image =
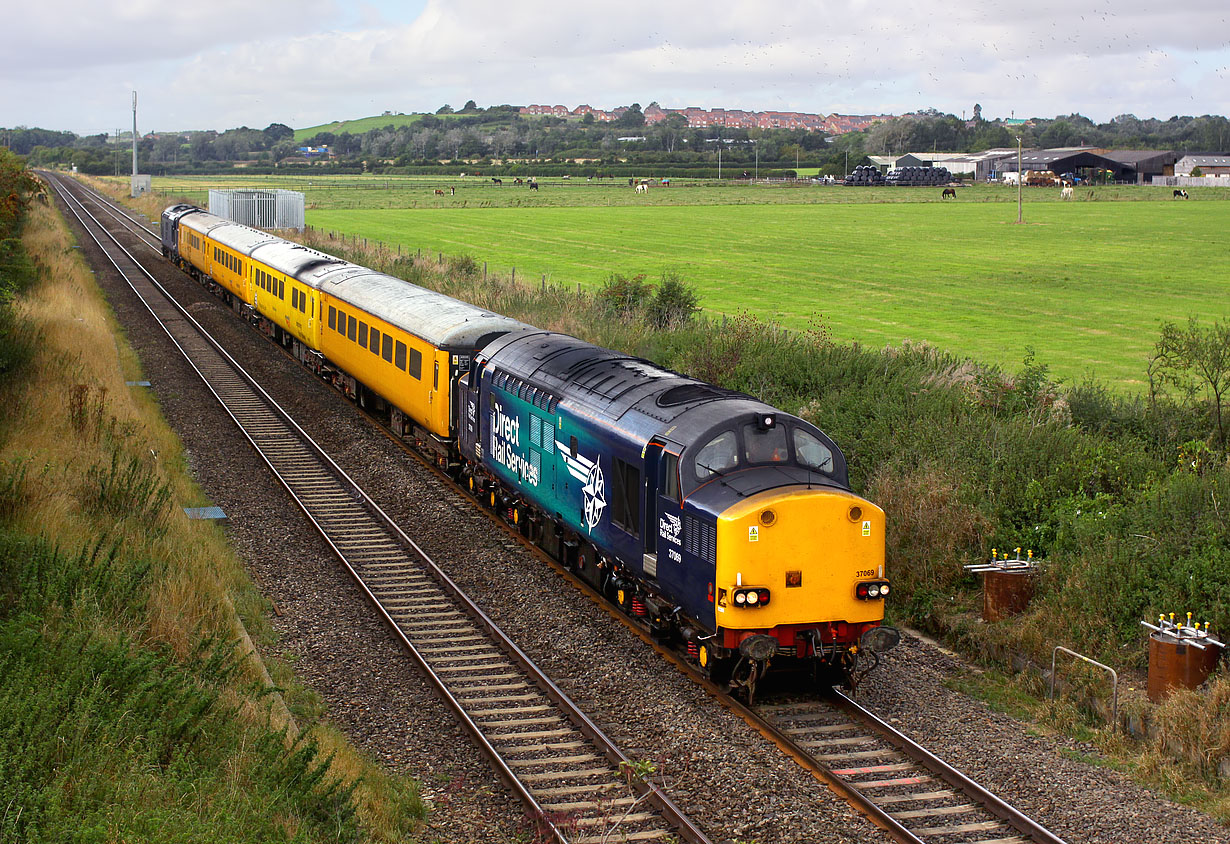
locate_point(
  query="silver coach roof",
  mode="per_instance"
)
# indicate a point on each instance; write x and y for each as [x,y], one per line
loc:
[294,260]
[440,320]
[241,238]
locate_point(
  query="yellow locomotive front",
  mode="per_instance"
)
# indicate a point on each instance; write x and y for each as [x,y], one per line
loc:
[798,559]
[802,567]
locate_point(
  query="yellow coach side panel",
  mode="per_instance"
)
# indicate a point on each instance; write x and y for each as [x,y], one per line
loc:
[228,268]
[394,363]
[809,547]
[192,248]
[287,303]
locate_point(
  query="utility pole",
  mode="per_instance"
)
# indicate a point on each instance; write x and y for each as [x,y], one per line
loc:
[134,139]
[1020,177]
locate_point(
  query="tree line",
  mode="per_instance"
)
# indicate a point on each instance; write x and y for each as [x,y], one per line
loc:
[475,134]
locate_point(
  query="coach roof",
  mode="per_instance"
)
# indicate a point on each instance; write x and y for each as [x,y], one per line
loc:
[441,320]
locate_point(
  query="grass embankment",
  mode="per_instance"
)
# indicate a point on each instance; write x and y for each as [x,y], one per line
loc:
[132,706]
[1122,499]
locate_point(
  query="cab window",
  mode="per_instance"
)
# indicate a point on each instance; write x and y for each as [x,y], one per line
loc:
[765,446]
[720,454]
[811,453]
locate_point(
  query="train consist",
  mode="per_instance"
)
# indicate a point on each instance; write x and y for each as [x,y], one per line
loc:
[726,527]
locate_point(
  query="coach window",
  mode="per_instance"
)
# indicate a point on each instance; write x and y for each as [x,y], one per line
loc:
[416,363]
[282,288]
[352,327]
[386,350]
[400,361]
[333,317]
[435,378]
[719,455]
[374,341]
[626,509]
[812,453]
[363,334]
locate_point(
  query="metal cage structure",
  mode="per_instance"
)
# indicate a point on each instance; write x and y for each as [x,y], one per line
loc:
[261,209]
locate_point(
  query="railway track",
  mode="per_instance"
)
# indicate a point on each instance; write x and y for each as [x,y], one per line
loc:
[913,795]
[917,796]
[576,783]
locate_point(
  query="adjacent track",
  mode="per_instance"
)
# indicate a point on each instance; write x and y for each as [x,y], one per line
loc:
[577,784]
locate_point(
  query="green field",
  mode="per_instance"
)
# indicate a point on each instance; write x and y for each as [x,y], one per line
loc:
[1086,284]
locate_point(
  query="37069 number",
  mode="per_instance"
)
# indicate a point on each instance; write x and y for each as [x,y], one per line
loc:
[865,573]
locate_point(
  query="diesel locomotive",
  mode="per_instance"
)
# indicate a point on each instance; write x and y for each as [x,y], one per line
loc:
[727,528]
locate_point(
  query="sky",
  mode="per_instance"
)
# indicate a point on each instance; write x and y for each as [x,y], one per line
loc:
[73,65]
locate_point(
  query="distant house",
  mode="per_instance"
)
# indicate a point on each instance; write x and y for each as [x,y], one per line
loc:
[1210,165]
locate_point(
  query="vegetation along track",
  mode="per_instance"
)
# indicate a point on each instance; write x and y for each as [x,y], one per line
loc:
[577,784]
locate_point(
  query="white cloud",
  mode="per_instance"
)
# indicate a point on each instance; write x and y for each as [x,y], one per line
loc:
[309,62]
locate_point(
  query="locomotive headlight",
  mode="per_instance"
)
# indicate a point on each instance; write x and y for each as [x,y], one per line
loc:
[874,590]
[884,589]
[740,598]
[752,597]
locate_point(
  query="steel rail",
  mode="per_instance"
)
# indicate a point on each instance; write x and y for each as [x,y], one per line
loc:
[648,790]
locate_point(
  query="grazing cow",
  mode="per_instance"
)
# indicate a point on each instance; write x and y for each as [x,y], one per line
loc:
[1066,193]
[452,191]
[533,185]
[949,192]
[518,181]
[496,181]
[642,188]
[1180,194]
[439,192]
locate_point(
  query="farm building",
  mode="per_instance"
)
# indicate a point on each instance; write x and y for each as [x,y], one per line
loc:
[980,164]
[1127,165]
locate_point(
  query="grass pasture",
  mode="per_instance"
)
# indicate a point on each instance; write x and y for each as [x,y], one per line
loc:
[1086,284]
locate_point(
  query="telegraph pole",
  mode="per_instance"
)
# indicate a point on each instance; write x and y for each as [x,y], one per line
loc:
[134,138]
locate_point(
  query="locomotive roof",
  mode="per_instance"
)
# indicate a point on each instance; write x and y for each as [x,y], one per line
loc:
[615,385]
[644,400]
[441,320]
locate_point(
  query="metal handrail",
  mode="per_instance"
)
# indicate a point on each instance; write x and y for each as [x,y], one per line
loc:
[1114,707]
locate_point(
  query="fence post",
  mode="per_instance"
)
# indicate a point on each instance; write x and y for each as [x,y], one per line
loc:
[484,272]
[514,275]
